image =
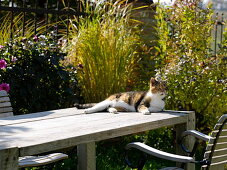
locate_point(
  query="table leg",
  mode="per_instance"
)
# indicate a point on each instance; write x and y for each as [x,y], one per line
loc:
[86,156]
[189,142]
[9,158]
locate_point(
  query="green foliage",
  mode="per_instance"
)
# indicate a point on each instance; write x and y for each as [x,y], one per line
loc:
[104,47]
[196,78]
[38,81]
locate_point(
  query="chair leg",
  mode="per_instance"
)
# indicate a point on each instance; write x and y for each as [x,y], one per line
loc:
[142,161]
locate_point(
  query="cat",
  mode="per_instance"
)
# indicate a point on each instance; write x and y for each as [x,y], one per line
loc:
[134,101]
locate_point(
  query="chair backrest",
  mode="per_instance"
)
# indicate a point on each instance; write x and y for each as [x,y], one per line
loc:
[5,105]
[216,150]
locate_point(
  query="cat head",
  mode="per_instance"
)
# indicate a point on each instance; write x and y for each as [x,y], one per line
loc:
[158,87]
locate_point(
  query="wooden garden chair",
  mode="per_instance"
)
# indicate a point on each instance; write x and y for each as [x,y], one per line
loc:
[215,157]
[27,161]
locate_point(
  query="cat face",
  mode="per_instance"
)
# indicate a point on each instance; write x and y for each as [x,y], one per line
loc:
[158,87]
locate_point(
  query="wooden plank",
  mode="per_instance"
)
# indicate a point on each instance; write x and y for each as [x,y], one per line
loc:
[180,128]
[86,156]
[62,112]
[5,104]
[76,130]
[40,116]
[53,123]
[218,146]
[218,166]
[4,99]
[6,109]
[3,93]
[189,141]
[223,133]
[216,152]
[32,161]
[8,114]
[9,158]
[218,125]
[220,158]
[214,167]
[222,139]
[107,118]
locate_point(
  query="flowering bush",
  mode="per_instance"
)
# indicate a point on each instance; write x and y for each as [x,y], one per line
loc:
[3,69]
[32,73]
[196,78]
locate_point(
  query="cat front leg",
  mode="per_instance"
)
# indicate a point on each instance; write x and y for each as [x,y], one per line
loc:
[143,109]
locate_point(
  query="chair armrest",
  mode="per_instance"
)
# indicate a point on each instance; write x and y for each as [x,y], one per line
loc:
[160,154]
[197,135]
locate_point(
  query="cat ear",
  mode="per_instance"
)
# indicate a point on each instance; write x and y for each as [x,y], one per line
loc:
[153,81]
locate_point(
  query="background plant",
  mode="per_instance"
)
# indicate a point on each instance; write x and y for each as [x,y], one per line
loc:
[38,81]
[104,47]
[196,78]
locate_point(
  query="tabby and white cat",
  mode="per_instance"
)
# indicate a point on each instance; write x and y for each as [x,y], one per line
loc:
[143,102]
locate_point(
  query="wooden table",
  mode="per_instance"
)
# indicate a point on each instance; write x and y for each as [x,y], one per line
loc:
[53,130]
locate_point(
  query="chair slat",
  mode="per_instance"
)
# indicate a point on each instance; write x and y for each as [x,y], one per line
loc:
[219,159]
[5,104]
[223,133]
[4,99]
[215,166]
[6,109]
[3,93]
[29,161]
[218,125]
[218,146]
[222,139]
[216,152]
[2,115]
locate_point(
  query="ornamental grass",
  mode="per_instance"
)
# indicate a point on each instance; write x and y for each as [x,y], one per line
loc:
[104,51]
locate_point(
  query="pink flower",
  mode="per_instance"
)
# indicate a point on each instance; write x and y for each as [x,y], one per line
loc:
[4,86]
[2,64]
[36,38]
[1,46]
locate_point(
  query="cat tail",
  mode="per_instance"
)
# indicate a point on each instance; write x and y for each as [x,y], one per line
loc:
[84,106]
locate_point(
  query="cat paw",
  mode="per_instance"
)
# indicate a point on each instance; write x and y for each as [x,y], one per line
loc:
[145,112]
[112,110]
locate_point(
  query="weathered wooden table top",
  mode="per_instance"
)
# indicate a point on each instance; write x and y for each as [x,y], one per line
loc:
[47,131]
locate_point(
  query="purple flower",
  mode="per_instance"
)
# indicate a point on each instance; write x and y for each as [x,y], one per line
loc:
[1,46]
[2,64]
[14,59]
[4,86]
[35,38]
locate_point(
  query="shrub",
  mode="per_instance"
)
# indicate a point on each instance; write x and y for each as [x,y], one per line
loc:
[104,47]
[37,79]
[196,78]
